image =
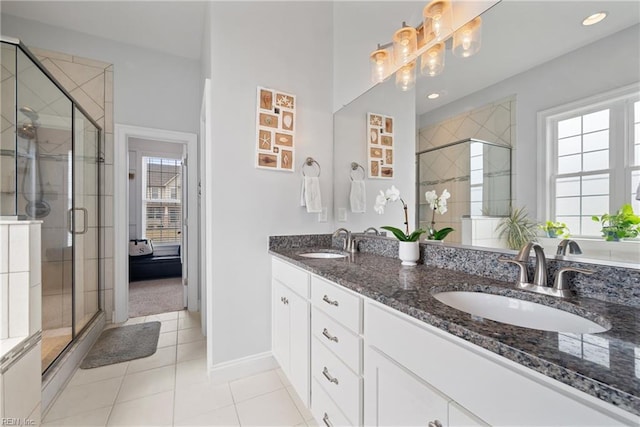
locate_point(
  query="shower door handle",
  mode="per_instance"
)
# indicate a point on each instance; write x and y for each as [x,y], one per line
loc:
[70,218]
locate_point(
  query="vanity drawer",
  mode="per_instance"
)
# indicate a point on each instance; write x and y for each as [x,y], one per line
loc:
[340,340]
[340,383]
[293,277]
[341,305]
[324,410]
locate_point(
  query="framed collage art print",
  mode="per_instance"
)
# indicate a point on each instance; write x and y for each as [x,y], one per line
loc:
[380,145]
[275,130]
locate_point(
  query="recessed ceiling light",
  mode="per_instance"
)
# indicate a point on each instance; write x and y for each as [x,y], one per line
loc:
[594,19]
[433,95]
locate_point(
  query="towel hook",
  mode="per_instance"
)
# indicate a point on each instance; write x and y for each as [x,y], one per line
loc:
[354,167]
[309,162]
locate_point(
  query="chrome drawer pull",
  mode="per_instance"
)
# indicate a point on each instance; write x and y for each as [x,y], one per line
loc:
[329,336]
[435,423]
[328,301]
[328,376]
[326,420]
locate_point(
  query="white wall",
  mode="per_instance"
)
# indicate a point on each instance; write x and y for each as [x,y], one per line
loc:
[605,65]
[281,45]
[151,89]
[350,145]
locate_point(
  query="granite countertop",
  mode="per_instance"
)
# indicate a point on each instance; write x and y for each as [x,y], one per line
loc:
[605,365]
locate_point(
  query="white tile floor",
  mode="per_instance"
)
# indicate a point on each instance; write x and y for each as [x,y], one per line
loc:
[171,388]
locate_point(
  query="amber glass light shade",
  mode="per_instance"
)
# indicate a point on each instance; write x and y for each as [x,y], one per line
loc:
[432,61]
[380,65]
[405,44]
[438,20]
[467,40]
[406,77]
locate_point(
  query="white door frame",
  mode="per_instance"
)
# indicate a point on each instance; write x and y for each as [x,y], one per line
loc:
[121,213]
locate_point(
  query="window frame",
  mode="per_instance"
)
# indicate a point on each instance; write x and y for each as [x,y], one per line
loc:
[144,200]
[621,127]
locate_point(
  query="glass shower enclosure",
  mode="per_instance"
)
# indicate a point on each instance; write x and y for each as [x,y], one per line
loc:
[478,175]
[49,164]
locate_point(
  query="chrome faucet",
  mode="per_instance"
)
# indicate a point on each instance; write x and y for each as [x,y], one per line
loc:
[349,243]
[539,284]
[375,231]
[574,248]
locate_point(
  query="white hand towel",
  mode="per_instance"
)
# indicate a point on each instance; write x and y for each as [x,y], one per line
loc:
[358,196]
[310,194]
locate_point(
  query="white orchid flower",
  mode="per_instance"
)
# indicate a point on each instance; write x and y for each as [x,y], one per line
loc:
[381,201]
[393,193]
[445,195]
[442,209]
[431,197]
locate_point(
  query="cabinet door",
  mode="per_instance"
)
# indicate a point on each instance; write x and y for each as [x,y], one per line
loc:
[280,329]
[396,397]
[299,332]
[460,417]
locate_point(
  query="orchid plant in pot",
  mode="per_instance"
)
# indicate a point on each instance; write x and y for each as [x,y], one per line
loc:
[409,250]
[437,204]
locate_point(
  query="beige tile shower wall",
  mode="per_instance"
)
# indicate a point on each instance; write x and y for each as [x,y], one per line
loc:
[494,122]
[90,82]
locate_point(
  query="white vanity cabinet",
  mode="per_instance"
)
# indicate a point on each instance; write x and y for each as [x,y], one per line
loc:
[458,383]
[336,354]
[396,396]
[291,324]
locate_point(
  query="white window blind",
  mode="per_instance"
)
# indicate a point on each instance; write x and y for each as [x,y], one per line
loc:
[161,205]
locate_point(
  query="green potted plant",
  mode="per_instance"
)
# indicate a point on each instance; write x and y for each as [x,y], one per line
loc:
[517,229]
[623,224]
[555,229]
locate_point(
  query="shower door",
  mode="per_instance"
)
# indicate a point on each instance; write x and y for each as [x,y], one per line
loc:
[84,224]
[56,181]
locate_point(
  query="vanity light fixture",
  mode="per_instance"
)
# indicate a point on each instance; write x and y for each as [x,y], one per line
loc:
[438,20]
[405,44]
[432,61]
[467,40]
[428,41]
[406,76]
[594,19]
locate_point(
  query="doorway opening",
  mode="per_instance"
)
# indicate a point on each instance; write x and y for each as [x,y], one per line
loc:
[152,224]
[155,227]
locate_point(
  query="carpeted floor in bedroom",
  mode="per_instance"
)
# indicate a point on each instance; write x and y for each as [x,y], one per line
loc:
[155,296]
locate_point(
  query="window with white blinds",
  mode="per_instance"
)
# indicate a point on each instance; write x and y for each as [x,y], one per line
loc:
[162,199]
[595,155]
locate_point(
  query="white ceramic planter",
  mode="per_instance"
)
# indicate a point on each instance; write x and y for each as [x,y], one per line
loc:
[409,252]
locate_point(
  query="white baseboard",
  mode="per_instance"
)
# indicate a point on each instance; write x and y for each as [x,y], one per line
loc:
[243,367]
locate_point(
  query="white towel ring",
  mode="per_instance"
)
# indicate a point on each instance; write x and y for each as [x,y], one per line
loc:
[310,162]
[354,167]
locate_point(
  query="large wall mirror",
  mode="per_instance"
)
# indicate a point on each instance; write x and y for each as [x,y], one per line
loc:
[536,60]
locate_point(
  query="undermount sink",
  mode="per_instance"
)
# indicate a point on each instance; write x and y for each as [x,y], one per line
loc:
[518,312]
[323,255]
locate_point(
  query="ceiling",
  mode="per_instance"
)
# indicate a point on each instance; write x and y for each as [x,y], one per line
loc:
[173,27]
[518,35]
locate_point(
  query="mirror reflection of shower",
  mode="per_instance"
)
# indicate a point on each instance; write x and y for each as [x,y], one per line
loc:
[32,186]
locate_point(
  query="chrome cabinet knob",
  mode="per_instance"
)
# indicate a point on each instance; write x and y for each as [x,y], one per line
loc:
[435,423]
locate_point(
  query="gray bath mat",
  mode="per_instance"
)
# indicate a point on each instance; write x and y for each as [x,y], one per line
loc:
[124,343]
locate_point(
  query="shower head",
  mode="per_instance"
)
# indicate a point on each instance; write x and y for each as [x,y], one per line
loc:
[30,112]
[27,131]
